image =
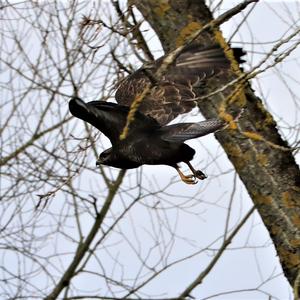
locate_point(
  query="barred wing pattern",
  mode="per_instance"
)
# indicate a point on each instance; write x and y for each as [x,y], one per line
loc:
[174,94]
[186,131]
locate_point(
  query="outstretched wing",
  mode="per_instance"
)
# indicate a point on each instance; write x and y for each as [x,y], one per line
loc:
[175,93]
[186,131]
[109,118]
[164,102]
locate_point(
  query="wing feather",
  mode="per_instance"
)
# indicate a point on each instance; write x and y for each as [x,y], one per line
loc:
[109,118]
[186,131]
[175,93]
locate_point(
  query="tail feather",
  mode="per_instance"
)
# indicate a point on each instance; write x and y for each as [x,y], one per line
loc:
[238,54]
[209,57]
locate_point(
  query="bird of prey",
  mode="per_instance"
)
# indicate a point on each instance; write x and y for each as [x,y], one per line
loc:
[150,139]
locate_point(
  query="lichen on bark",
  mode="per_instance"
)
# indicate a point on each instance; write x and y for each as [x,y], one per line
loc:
[261,157]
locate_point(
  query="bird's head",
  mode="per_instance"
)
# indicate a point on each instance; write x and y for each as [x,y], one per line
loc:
[105,157]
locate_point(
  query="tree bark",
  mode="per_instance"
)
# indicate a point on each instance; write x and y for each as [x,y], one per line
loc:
[261,157]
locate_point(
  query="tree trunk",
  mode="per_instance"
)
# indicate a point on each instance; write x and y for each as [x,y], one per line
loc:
[261,157]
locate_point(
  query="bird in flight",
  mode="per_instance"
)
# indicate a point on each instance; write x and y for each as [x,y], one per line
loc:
[150,139]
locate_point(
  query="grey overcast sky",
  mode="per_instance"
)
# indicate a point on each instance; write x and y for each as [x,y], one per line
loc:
[184,219]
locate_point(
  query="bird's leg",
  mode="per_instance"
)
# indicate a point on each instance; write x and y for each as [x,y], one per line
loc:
[197,173]
[188,179]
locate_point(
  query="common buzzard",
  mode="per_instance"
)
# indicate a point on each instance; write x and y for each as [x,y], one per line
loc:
[150,140]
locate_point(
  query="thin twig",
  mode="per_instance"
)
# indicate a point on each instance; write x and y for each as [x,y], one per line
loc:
[171,57]
[85,245]
[199,279]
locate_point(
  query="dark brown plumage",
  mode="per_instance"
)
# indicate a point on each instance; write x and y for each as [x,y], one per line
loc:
[149,140]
